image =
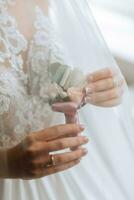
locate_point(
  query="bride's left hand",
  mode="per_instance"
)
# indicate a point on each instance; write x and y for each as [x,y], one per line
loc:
[105,88]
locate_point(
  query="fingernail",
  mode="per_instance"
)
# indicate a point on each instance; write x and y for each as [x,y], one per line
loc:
[85,151]
[82,126]
[86,139]
[88,90]
[77,162]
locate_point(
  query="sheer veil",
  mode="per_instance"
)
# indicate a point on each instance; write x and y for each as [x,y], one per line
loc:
[83,46]
[110,129]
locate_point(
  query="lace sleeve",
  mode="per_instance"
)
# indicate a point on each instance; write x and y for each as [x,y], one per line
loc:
[5,93]
[12,101]
[6,106]
[11,90]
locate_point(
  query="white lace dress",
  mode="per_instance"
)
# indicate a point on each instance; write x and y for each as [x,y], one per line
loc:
[105,174]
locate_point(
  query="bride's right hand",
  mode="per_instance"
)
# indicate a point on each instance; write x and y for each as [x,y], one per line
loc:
[29,159]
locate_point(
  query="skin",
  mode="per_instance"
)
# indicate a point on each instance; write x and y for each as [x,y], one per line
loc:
[29,158]
[25,20]
[104,88]
[100,91]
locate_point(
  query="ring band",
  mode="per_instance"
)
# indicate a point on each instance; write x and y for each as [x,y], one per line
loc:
[52,162]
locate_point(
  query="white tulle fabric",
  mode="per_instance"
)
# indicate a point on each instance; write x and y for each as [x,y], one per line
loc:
[106,173]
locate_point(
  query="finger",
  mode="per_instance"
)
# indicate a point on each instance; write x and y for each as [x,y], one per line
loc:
[74,148]
[59,159]
[45,159]
[104,96]
[103,85]
[44,148]
[100,74]
[56,132]
[111,103]
[66,143]
[76,94]
[55,169]
[68,108]
[70,156]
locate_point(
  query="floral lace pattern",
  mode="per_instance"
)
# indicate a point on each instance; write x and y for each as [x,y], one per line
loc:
[24,97]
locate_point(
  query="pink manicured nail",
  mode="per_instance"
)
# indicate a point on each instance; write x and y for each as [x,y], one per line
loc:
[82,126]
[86,139]
[85,151]
[88,90]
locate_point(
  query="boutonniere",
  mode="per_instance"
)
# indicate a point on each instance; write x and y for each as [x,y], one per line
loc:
[70,82]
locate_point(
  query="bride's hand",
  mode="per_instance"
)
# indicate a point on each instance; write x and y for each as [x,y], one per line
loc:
[30,158]
[105,88]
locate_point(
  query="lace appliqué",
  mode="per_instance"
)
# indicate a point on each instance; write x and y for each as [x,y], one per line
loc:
[24,98]
[44,51]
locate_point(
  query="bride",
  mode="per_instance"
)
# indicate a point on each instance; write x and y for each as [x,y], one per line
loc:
[27,131]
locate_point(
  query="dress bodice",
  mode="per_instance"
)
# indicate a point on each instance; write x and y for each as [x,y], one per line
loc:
[24,96]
